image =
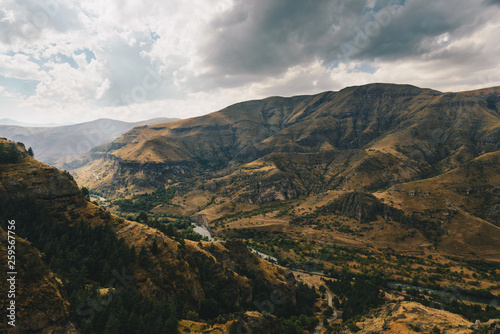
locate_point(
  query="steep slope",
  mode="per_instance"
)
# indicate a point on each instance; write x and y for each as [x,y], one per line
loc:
[60,144]
[40,302]
[465,198]
[399,132]
[307,151]
[30,178]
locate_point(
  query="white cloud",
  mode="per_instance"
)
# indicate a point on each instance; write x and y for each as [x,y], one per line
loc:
[20,66]
[134,60]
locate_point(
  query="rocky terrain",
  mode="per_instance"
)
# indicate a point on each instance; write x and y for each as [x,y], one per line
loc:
[363,187]
[410,317]
[382,139]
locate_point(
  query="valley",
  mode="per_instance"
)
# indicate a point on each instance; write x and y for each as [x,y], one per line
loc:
[388,181]
[377,203]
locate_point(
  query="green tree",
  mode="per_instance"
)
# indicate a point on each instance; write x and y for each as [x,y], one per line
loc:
[112,325]
[30,152]
[85,192]
[12,153]
[142,217]
[170,230]
[154,248]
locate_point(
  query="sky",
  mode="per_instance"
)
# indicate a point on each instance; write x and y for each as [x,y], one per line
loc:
[73,61]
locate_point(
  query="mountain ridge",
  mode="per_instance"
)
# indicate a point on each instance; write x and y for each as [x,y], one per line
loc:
[58,144]
[249,130]
[369,138]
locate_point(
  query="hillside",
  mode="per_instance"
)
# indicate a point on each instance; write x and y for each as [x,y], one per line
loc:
[59,144]
[308,150]
[85,246]
[41,301]
[387,183]
[401,132]
[376,194]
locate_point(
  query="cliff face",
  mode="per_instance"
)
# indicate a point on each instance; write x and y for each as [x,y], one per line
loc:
[30,178]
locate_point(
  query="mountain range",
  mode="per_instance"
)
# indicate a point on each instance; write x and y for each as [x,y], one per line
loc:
[418,132]
[380,204]
[56,145]
[10,121]
[386,147]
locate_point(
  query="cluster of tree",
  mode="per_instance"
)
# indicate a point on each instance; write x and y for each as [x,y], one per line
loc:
[146,202]
[215,303]
[179,230]
[359,293]
[9,153]
[128,312]
[297,325]
[269,238]
[87,258]
[252,213]
[473,312]
[294,317]
[486,269]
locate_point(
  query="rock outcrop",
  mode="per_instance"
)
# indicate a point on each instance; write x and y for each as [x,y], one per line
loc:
[32,179]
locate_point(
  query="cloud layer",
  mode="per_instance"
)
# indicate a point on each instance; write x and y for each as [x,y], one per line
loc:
[74,61]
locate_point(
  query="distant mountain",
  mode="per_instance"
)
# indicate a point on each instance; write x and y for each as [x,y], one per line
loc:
[426,130]
[9,121]
[60,144]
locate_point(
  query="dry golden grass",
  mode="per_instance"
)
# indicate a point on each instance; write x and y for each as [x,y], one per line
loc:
[406,317]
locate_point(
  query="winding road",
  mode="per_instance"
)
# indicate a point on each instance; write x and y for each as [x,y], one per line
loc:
[335,315]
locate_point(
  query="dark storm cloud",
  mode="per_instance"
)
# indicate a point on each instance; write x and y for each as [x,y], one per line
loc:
[263,36]
[421,27]
[259,38]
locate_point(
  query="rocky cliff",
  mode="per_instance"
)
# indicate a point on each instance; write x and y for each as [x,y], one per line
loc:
[30,178]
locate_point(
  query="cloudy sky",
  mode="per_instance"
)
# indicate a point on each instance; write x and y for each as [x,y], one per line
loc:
[72,61]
